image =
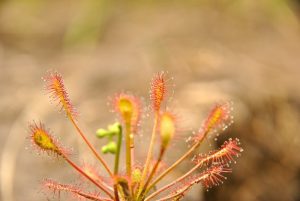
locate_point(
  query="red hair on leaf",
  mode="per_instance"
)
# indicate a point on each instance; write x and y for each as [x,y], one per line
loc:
[158,90]
[211,177]
[74,190]
[54,84]
[219,118]
[226,154]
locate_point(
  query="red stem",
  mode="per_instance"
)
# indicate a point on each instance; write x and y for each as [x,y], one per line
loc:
[161,153]
[174,182]
[87,176]
[91,147]
[190,151]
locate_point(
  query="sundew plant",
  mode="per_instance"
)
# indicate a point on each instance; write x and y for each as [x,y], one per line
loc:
[138,183]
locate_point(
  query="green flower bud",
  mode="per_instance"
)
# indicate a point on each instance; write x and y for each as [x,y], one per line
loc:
[112,130]
[115,128]
[111,147]
[102,133]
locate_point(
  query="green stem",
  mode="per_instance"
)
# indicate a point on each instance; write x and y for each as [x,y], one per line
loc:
[132,148]
[132,159]
[128,149]
[129,153]
[117,159]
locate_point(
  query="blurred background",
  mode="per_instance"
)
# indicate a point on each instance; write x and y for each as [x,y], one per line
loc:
[241,50]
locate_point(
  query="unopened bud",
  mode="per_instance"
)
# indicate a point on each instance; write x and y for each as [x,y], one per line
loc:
[115,128]
[112,130]
[102,133]
[111,147]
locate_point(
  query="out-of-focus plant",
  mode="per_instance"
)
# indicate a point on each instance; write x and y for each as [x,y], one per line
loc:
[139,183]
